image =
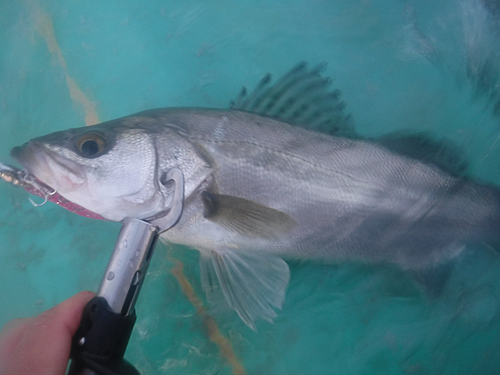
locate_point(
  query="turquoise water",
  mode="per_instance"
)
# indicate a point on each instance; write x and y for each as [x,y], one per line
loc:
[400,65]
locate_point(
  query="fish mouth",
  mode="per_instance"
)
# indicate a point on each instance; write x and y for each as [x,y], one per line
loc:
[59,173]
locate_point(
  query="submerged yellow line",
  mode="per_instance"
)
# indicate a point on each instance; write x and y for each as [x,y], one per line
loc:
[213,331]
[45,28]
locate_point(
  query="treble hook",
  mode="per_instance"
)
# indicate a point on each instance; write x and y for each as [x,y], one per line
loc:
[27,179]
[21,177]
[46,196]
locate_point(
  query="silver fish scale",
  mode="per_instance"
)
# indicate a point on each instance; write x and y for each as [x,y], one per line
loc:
[348,197]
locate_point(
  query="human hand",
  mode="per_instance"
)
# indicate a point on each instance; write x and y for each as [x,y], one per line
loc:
[41,345]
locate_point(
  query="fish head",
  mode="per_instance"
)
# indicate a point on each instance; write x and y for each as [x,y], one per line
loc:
[109,169]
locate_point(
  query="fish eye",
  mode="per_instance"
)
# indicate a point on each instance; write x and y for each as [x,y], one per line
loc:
[91,145]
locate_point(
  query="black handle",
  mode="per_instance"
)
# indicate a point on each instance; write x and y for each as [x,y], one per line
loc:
[101,340]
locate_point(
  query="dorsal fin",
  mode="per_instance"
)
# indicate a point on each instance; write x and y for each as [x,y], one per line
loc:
[442,153]
[301,97]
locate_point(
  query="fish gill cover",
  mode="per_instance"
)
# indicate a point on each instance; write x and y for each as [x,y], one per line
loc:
[401,66]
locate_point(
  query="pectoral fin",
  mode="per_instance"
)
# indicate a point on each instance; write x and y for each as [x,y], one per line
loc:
[245,216]
[253,284]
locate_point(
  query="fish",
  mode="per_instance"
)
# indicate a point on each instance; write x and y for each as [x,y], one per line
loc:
[280,175]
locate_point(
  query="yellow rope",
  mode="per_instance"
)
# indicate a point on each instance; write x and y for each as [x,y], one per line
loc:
[214,334]
[45,28]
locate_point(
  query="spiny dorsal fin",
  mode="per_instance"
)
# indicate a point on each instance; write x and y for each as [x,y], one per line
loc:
[246,217]
[301,97]
[421,146]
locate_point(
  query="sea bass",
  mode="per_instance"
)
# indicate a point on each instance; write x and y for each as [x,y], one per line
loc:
[260,188]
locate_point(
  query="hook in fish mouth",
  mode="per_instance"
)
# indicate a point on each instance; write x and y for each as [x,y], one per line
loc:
[21,177]
[44,191]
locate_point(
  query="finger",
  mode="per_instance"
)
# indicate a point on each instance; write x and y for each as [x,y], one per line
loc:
[10,335]
[41,345]
[69,312]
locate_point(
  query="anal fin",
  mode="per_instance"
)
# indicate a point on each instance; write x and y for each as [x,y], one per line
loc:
[253,284]
[434,279]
